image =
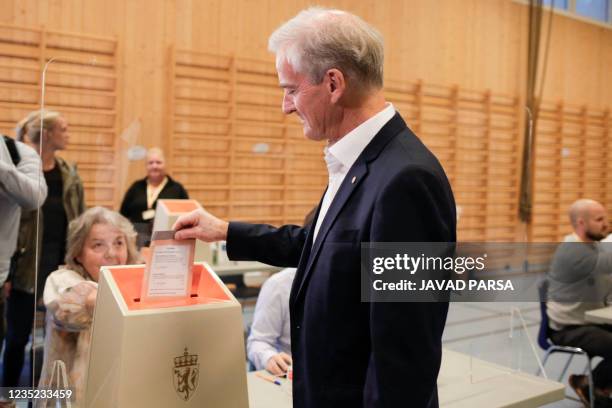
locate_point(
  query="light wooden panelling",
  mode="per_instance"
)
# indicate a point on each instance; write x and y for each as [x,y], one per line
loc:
[474,134]
[81,84]
[572,162]
[232,146]
[459,45]
[237,152]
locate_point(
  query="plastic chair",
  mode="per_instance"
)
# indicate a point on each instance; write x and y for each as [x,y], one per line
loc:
[547,345]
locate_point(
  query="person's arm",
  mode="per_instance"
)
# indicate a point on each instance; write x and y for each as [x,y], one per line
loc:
[127,199]
[280,246]
[80,193]
[256,242]
[25,183]
[266,328]
[70,300]
[604,258]
[406,337]
[271,315]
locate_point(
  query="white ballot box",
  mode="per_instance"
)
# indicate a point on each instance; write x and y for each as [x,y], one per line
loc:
[166,214]
[180,353]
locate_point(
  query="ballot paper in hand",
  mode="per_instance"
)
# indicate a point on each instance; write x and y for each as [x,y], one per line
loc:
[168,273]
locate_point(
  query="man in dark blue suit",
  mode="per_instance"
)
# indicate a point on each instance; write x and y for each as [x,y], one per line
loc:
[384,186]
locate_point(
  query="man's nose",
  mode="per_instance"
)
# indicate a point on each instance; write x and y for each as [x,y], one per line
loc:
[288,106]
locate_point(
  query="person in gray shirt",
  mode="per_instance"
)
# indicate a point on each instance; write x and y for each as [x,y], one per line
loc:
[22,185]
[579,281]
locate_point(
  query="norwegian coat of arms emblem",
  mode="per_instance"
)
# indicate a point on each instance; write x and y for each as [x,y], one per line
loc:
[186,371]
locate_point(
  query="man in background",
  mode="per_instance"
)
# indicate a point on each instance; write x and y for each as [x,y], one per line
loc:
[140,200]
[579,281]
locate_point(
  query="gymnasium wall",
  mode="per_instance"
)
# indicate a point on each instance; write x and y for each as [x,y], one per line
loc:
[455,69]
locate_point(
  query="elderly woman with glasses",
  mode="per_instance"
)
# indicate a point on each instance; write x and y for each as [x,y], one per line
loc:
[99,237]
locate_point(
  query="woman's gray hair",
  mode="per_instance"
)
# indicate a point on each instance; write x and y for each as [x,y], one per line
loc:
[319,39]
[49,119]
[79,228]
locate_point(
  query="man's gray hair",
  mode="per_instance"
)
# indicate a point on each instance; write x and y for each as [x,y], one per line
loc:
[319,39]
[79,228]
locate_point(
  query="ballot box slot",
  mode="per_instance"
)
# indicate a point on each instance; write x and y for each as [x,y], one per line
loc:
[206,289]
[193,295]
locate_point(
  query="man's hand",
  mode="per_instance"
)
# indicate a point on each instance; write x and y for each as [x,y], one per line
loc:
[279,363]
[202,225]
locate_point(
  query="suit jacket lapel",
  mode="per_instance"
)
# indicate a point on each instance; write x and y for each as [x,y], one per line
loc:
[351,182]
[305,256]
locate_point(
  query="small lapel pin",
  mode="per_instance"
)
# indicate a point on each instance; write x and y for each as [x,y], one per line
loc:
[353,180]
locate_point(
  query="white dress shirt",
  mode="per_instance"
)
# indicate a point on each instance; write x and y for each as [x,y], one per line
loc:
[270,332]
[341,156]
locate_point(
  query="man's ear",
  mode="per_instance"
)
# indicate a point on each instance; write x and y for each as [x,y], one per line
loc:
[336,84]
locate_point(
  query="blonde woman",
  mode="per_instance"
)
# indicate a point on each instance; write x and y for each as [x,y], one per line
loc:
[65,200]
[99,237]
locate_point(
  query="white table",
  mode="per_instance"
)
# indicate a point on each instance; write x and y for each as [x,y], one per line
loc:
[488,386]
[264,394]
[599,316]
[477,383]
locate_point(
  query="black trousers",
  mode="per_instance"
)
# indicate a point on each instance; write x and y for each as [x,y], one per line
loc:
[596,340]
[19,319]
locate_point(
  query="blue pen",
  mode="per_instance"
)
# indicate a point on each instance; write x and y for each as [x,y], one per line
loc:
[268,378]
